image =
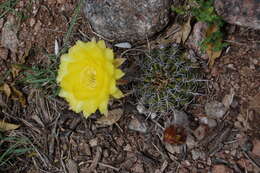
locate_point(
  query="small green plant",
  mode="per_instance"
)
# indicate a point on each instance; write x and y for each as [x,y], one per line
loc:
[10,149]
[8,6]
[203,10]
[169,80]
[41,77]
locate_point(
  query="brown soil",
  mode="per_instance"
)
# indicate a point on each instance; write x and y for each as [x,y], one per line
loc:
[67,142]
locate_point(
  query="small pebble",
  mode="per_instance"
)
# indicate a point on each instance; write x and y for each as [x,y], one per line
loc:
[180,118]
[212,123]
[190,142]
[200,132]
[215,109]
[137,125]
[32,22]
[141,109]
[196,154]
[93,142]
[125,45]
[173,148]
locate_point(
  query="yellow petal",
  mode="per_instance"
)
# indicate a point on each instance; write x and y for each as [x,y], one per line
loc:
[119,74]
[109,54]
[117,94]
[101,44]
[103,107]
[89,107]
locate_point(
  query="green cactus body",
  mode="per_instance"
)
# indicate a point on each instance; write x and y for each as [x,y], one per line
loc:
[169,80]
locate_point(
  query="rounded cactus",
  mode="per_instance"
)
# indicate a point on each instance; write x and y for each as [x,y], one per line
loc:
[168,80]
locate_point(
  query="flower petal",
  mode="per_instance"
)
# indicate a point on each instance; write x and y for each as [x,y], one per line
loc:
[117,94]
[119,74]
[103,107]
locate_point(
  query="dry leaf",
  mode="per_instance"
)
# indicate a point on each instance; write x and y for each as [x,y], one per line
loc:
[6,89]
[112,117]
[18,94]
[186,29]
[228,99]
[15,70]
[175,134]
[213,55]
[4,126]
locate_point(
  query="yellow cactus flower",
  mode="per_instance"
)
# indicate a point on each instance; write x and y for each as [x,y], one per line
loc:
[87,76]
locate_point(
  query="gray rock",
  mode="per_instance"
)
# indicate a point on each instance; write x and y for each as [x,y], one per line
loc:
[190,142]
[200,132]
[173,149]
[196,154]
[215,109]
[212,123]
[9,38]
[180,118]
[137,125]
[240,12]
[127,20]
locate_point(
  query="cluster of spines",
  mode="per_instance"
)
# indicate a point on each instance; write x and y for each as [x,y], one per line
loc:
[168,81]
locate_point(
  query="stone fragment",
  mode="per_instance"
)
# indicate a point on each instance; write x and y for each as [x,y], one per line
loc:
[93,142]
[196,154]
[200,132]
[173,149]
[72,166]
[212,123]
[127,20]
[198,34]
[240,12]
[190,142]
[215,109]
[221,169]
[256,147]
[180,118]
[138,168]
[124,45]
[9,38]
[137,125]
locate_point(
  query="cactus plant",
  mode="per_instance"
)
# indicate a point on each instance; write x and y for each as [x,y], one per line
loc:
[169,80]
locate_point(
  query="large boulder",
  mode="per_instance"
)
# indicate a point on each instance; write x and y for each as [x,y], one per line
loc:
[127,20]
[240,12]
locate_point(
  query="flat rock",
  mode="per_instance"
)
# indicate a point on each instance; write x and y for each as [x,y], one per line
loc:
[221,169]
[180,118]
[9,38]
[240,12]
[201,132]
[137,125]
[127,20]
[215,109]
[196,154]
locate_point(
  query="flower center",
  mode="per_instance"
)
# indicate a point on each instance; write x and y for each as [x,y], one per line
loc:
[88,77]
